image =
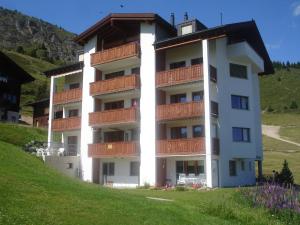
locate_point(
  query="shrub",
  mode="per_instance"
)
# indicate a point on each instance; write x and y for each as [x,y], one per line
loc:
[270,109]
[285,177]
[180,188]
[293,105]
[33,146]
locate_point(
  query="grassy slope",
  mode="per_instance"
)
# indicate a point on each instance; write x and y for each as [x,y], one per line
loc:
[280,89]
[31,193]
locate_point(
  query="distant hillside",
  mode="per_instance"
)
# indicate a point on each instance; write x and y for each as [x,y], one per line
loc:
[280,92]
[35,37]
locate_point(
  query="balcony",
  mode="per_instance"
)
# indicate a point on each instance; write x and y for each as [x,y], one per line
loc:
[67,96]
[124,83]
[114,149]
[193,146]
[179,76]
[66,124]
[127,54]
[179,111]
[116,116]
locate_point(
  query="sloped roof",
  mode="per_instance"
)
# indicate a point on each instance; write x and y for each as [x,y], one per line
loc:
[64,69]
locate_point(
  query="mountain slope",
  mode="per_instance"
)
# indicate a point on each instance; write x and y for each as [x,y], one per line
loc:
[36,37]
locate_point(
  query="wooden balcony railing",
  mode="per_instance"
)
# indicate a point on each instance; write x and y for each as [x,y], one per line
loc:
[114,149]
[180,147]
[179,76]
[121,52]
[67,96]
[116,116]
[179,111]
[123,83]
[65,124]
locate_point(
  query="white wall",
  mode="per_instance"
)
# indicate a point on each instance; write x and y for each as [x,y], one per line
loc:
[88,106]
[147,105]
[62,164]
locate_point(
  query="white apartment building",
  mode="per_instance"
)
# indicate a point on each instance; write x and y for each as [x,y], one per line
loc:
[151,102]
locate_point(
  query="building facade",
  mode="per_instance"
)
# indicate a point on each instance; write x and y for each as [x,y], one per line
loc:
[12,76]
[151,103]
[40,115]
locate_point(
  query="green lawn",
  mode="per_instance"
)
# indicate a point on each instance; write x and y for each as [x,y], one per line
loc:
[31,193]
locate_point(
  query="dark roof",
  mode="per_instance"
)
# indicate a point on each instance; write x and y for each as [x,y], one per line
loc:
[138,17]
[244,31]
[10,67]
[64,69]
[41,101]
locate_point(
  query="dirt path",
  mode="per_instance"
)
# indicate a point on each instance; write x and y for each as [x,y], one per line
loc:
[273,132]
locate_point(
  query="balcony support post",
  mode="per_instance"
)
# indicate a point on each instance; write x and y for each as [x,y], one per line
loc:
[206,81]
[147,105]
[51,115]
[87,107]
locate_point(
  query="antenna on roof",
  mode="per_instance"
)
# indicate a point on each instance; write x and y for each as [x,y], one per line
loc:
[172,19]
[185,17]
[221,18]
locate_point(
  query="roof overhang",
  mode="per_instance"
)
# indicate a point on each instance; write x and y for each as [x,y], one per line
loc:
[64,70]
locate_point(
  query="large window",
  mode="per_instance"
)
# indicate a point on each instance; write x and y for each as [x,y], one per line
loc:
[238,71]
[178,98]
[240,134]
[178,132]
[198,131]
[239,102]
[176,65]
[193,167]
[134,168]
[232,168]
[114,136]
[109,168]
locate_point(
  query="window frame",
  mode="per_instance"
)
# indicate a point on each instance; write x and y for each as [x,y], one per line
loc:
[202,133]
[176,98]
[232,168]
[197,93]
[176,65]
[131,167]
[178,132]
[242,137]
[239,76]
[240,102]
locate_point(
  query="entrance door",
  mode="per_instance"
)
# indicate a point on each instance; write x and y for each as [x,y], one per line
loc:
[72,146]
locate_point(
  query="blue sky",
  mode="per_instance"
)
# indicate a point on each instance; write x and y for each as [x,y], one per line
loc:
[277,20]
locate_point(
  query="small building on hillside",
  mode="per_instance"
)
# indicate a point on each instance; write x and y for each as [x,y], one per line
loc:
[12,76]
[40,113]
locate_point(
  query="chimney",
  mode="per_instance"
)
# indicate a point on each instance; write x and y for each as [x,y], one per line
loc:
[186,17]
[172,19]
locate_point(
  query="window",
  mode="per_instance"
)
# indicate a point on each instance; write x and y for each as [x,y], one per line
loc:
[186,29]
[243,165]
[70,166]
[114,136]
[197,96]
[189,168]
[114,105]
[178,98]
[114,74]
[73,112]
[58,114]
[134,168]
[238,71]
[198,131]
[74,86]
[176,65]
[135,70]
[178,132]
[240,134]
[109,169]
[239,102]
[196,61]
[232,168]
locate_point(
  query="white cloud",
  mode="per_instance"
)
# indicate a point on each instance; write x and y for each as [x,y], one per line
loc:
[296,9]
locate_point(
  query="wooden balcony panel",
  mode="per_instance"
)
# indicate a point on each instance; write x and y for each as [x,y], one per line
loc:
[116,116]
[179,111]
[180,147]
[66,124]
[124,83]
[114,149]
[41,121]
[121,52]
[179,76]
[67,96]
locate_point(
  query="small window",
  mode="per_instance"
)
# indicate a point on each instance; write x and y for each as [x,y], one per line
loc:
[58,114]
[240,134]
[186,29]
[114,75]
[197,96]
[198,131]
[135,70]
[74,86]
[238,71]
[232,168]
[176,65]
[178,98]
[134,168]
[178,132]
[69,165]
[196,61]
[243,165]
[73,112]
[239,102]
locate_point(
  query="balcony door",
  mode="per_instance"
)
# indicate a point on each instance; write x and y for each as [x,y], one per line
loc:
[114,136]
[72,145]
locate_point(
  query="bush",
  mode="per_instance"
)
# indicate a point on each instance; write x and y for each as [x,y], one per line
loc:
[180,188]
[293,105]
[33,146]
[270,109]
[286,177]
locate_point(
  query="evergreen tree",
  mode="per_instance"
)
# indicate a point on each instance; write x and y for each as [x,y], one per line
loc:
[286,176]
